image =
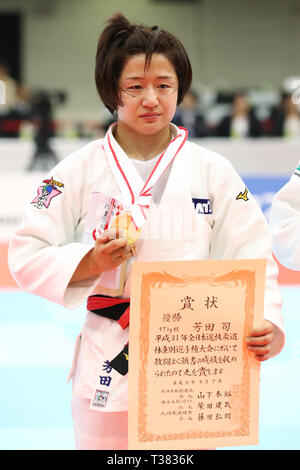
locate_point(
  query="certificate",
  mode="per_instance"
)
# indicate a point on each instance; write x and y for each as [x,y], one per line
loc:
[193,384]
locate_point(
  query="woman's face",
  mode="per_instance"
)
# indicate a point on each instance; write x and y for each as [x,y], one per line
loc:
[149,96]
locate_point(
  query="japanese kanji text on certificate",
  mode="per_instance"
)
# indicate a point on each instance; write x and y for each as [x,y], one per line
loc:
[192,382]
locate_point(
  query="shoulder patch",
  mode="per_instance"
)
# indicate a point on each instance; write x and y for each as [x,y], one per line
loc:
[243,195]
[100,398]
[46,192]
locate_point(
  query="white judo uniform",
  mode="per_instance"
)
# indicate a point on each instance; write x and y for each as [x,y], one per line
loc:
[224,221]
[285,222]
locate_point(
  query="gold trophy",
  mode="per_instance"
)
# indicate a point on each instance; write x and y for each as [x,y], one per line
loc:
[124,225]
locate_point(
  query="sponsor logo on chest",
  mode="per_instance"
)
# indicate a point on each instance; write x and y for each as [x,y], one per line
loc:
[202,206]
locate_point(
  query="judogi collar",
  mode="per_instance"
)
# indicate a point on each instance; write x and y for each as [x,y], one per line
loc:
[136,194]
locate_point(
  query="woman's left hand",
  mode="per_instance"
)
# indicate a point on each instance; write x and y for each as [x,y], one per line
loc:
[259,341]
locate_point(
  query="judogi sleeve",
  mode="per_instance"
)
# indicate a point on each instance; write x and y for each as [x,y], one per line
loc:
[240,231]
[47,247]
[285,222]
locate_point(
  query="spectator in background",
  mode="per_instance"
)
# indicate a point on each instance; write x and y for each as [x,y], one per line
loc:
[12,119]
[10,99]
[11,85]
[188,115]
[22,105]
[285,120]
[242,121]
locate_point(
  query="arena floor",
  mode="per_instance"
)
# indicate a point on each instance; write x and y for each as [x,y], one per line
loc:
[35,399]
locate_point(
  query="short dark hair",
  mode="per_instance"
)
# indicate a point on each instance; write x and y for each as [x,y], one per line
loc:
[120,40]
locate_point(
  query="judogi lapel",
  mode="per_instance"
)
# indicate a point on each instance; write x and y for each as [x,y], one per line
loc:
[136,194]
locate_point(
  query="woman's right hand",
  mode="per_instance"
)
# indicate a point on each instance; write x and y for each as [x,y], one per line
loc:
[109,252]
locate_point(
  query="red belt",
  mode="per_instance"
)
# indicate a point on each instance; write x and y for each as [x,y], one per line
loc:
[110,307]
[118,310]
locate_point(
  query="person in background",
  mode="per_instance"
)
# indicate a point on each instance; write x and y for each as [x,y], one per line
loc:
[18,114]
[188,115]
[11,86]
[285,119]
[285,222]
[22,104]
[241,122]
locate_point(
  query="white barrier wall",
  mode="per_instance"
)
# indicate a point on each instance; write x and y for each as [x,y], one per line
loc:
[250,156]
[264,164]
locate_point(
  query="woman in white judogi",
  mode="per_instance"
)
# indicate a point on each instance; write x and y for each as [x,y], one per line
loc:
[285,222]
[147,167]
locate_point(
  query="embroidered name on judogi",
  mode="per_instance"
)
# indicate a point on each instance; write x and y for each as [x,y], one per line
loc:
[202,206]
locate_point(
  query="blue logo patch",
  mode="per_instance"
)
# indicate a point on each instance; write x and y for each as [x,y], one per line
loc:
[202,206]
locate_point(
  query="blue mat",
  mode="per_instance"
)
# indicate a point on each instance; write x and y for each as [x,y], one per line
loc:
[36,348]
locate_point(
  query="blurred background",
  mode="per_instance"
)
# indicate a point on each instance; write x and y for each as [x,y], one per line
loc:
[244,103]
